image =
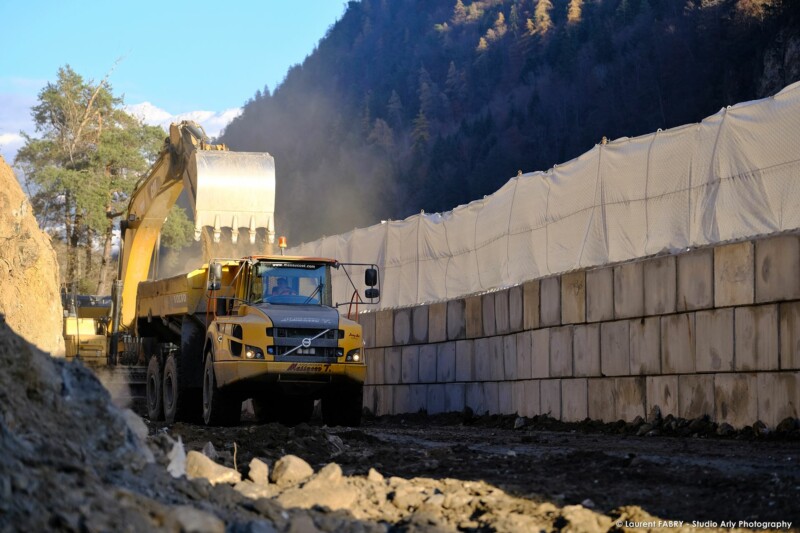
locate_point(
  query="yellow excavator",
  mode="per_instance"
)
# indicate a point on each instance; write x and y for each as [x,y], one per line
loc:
[262,327]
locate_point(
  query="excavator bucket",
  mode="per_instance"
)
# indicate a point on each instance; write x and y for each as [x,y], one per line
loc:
[233,190]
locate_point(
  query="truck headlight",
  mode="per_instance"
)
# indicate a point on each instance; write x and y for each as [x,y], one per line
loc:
[354,356]
[251,352]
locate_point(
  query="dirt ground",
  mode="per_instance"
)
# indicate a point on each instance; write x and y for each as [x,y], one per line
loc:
[604,467]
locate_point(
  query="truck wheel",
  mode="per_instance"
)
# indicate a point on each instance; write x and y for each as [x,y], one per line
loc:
[155,410]
[219,409]
[342,407]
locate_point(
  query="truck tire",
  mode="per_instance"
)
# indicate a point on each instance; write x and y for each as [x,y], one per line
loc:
[219,408]
[155,407]
[180,403]
[342,406]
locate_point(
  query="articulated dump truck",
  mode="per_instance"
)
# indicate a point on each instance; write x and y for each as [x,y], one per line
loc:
[261,327]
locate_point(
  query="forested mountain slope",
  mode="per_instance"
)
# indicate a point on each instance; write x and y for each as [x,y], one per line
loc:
[410,105]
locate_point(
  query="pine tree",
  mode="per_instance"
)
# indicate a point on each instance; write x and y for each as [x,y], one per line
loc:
[542,13]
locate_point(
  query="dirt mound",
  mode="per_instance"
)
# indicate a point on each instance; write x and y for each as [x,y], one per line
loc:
[29,295]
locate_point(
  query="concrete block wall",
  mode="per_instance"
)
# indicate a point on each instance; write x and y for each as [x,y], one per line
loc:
[712,331]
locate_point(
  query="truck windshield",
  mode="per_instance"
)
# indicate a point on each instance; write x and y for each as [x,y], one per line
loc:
[291,283]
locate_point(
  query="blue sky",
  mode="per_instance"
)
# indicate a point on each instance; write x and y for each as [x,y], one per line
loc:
[198,59]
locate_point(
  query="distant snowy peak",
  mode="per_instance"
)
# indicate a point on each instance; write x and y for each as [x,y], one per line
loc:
[211,121]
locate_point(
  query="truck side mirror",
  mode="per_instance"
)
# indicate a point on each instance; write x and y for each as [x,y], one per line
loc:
[372,293]
[371,277]
[214,276]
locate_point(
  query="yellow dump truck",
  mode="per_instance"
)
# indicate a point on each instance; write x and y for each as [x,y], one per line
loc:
[262,328]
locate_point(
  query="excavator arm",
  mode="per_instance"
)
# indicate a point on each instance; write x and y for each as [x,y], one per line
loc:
[234,190]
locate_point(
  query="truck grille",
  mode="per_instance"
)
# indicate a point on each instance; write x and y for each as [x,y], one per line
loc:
[313,351]
[302,333]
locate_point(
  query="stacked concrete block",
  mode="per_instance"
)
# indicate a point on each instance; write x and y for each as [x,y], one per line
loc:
[482,359]
[435,402]
[384,400]
[600,295]
[505,398]
[392,365]
[427,363]
[409,366]
[540,348]
[550,302]
[437,322]
[714,346]
[615,348]
[790,336]
[419,397]
[518,398]
[756,338]
[515,313]
[777,267]
[662,392]
[561,352]
[696,395]
[530,305]
[374,359]
[487,314]
[645,346]
[586,350]
[573,297]
[491,397]
[456,324]
[734,274]
[419,324]
[496,348]
[384,328]
[532,393]
[367,321]
[501,318]
[524,349]
[629,290]
[402,326]
[550,397]
[474,317]
[474,398]
[574,400]
[465,356]
[630,398]
[510,357]
[446,362]
[778,396]
[659,286]
[401,403]
[602,399]
[695,280]
[677,344]
[454,397]
[735,399]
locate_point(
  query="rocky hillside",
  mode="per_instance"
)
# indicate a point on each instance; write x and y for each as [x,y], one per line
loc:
[29,292]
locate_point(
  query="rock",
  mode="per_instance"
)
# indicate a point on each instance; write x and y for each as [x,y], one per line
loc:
[725,429]
[330,476]
[519,422]
[198,465]
[336,444]
[375,476]
[407,497]
[787,425]
[135,423]
[177,459]
[256,526]
[259,471]
[655,414]
[588,503]
[334,498]
[699,424]
[580,519]
[210,452]
[254,490]
[290,470]
[645,429]
[760,429]
[193,520]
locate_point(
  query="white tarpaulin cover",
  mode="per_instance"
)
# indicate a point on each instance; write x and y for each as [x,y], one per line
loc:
[734,175]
